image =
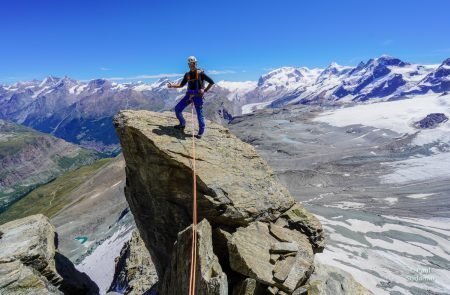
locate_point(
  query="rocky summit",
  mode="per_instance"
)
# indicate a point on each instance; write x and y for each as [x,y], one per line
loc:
[252,236]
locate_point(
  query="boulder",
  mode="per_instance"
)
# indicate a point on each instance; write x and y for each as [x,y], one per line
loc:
[298,274]
[303,264]
[283,268]
[211,280]
[329,280]
[298,218]
[250,255]
[135,272]
[30,263]
[249,252]
[280,233]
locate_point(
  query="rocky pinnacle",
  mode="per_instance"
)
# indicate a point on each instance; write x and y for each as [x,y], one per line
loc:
[261,236]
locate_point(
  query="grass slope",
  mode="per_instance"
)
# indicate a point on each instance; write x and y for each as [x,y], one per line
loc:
[29,158]
[48,199]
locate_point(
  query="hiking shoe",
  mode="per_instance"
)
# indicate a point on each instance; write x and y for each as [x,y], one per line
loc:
[198,136]
[179,127]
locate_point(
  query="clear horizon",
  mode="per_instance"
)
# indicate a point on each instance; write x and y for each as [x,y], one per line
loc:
[154,78]
[234,41]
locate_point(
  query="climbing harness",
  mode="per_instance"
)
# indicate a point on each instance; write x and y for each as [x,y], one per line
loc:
[199,82]
[192,279]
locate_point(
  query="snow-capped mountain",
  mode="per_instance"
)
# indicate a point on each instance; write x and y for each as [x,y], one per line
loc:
[81,112]
[379,79]
[436,81]
[283,83]
[382,78]
[237,90]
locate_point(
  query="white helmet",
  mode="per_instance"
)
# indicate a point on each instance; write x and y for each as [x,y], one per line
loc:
[192,59]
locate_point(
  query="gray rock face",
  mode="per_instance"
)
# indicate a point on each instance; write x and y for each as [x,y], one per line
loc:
[234,185]
[248,287]
[329,280]
[250,249]
[135,273]
[298,218]
[431,121]
[29,263]
[263,240]
[211,280]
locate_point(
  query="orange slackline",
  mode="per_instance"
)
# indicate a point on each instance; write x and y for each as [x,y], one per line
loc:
[192,279]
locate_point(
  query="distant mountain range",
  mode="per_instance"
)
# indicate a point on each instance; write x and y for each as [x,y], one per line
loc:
[81,112]
[380,79]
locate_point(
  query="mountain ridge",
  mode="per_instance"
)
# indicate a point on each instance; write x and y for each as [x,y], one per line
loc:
[81,111]
[29,158]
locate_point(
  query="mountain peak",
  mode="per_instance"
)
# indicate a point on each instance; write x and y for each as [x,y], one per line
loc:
[49,80]
[280,75]
[388,60]
[360,65]
[333,69]
[97,83]
[386,56]
[67,78]
[162,80]
[334,65]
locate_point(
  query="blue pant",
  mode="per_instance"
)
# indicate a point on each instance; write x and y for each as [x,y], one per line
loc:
[198,103]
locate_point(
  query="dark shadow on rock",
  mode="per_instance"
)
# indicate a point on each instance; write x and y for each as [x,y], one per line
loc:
[171,131]
[74,281]
[153,290]
[120,282]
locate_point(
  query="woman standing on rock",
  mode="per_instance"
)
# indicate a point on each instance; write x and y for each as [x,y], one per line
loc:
[195,79]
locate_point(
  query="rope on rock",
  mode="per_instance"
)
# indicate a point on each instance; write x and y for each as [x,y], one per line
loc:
[192,279]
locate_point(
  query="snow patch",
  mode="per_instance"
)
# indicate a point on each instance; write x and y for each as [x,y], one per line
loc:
[386,257]
[418,169]
[347,205]
[391,200]
[249,108]
[143,87]
[398,116]
[118,87]
[100,265]
[237,89]
[419,196]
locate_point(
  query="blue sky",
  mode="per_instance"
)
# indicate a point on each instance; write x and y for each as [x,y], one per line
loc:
[236,40]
